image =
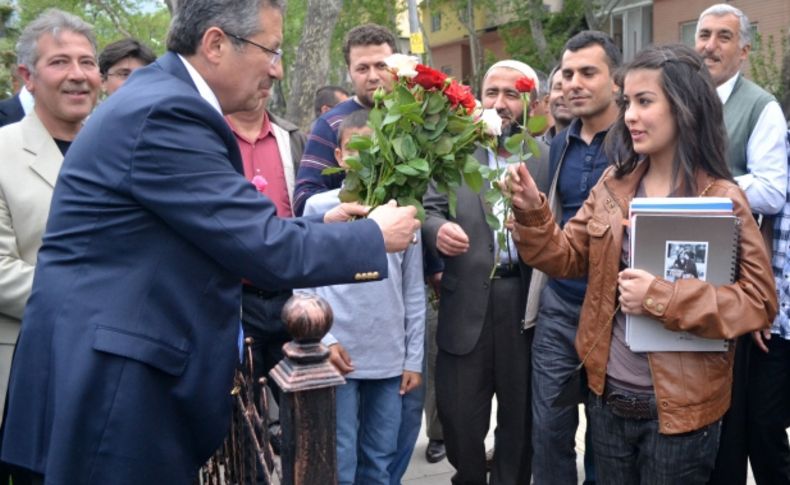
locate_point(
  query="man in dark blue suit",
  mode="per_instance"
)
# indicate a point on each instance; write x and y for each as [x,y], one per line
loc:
[128,344]
[11,110]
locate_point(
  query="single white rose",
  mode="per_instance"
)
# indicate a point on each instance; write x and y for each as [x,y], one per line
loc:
[403,65]
[492,122]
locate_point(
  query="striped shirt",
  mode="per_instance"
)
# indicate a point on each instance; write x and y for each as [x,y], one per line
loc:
[320,154]
[781,267]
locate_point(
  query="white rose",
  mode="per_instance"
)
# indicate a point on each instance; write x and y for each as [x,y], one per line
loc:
[403,65]
[492,122]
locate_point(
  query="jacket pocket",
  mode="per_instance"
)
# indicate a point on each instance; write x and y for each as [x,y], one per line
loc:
[155,353]
[598,242]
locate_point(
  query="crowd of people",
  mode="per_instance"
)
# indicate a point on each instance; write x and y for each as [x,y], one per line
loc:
[142,238]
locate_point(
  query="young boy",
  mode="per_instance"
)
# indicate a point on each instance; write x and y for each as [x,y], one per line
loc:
[380,325]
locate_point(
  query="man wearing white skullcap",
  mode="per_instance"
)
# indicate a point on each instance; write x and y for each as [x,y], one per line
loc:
[482,348]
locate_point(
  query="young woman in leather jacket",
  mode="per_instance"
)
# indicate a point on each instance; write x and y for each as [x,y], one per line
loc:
[655,417]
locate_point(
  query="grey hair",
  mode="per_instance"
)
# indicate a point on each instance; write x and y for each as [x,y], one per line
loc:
[194,17]
[51,21]
[722,9]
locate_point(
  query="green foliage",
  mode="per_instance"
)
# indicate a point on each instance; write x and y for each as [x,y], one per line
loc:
[417,136]
[766,65]
[557,27]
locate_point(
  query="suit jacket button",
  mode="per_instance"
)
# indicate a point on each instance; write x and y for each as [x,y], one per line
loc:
[375,274]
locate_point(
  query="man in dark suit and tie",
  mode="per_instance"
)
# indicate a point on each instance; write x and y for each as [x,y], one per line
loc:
[123,368]
[13,108]
[483,349]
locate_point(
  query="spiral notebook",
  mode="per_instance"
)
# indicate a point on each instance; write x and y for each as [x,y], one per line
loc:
[679,246]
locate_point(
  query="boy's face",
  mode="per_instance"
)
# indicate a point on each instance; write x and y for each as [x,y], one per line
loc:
[342,152]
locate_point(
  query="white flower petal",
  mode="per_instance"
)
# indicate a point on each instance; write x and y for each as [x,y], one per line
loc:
[492,122]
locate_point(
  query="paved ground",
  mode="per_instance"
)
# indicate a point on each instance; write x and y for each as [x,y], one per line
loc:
[421,472]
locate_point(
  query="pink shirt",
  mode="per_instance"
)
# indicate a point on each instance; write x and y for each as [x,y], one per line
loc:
[262,157]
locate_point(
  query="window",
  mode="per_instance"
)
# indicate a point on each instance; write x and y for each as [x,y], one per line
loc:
[436,22]
[688,33]
[632,28]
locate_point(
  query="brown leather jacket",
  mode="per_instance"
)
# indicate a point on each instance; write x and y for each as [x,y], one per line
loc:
[692,388]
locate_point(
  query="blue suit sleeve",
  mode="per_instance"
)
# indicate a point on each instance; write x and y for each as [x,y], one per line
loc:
[196,192]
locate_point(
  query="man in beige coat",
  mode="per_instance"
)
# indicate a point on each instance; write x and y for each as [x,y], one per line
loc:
[57,60]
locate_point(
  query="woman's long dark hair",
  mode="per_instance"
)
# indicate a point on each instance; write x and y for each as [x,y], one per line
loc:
[697,109]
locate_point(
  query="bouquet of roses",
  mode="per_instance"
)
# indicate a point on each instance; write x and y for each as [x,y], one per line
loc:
[425,129]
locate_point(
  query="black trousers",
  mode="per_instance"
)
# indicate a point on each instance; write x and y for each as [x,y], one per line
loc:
[731,461]
[769,412]
[465,384]
[261,319]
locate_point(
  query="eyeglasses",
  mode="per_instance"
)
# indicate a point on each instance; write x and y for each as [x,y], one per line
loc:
[122,74]
[276,54]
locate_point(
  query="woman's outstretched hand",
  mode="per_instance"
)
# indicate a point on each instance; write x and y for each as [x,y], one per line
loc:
[518,183]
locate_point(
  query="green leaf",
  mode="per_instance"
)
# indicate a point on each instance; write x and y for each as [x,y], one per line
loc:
[492,196]
[420,164]
[332,170]
[436,103]
[406,169]
[444,145]
[513,143]
[379,195]
[359,142]
[348,196]
[471,164]
[452,202]
[405,147]
[390,118]
[534,148]
[456,124]
[474,180]
[493,221]
[409,200]
[375,117]
[537,124]
[354,163]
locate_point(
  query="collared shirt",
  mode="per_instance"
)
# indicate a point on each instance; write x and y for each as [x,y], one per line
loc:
[206,93]
[27,100]
[261,156]
[781,267]
[766,156]
[202,86]
[509,254]
[583,165]
[319,153]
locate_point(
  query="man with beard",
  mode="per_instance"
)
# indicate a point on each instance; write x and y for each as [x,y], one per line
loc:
[57,59]
[483,348]
[757,157]
[577,159]
[560,114]
[365,49]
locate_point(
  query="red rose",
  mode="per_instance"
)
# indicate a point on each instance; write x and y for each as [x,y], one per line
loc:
[525,85]
[429,78]
[459,94]
[469,102]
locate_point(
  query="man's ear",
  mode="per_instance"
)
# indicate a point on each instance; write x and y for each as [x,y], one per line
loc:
[339,156]
[213,45]
[26,76]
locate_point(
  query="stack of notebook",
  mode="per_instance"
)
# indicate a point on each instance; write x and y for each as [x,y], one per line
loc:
[679,238]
